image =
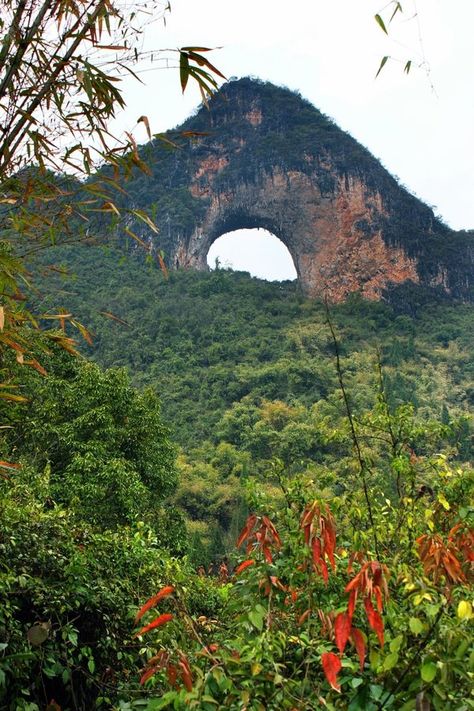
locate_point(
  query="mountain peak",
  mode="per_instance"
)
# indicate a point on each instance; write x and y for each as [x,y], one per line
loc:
[262,156]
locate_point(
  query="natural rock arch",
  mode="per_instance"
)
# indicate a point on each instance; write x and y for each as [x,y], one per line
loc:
[230,221]
[331,255]
[263,157]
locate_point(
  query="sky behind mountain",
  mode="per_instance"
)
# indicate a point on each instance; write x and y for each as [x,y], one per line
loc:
[419,125]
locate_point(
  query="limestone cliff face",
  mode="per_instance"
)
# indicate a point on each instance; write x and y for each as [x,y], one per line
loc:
[263,157]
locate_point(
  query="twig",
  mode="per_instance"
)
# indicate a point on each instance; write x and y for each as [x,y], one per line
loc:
[418,649]
[362,464]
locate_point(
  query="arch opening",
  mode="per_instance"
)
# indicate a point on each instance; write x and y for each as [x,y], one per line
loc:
[257,251]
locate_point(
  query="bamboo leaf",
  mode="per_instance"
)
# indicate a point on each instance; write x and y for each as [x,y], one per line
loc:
[381,23]
[382,64]
[183,69]
[144,119]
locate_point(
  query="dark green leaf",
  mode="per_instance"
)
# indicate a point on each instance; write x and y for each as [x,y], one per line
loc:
[382,64]
[183,69]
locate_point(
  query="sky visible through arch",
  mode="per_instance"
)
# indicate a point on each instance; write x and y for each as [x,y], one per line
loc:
[256,251]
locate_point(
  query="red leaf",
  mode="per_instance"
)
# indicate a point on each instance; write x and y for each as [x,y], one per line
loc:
[308,515]
[378,598]
[164,592]
[270,526]
[304,617]
[329,544]
[374,619]
[37,366]
[354,583]
[160,660]
[267,554]
[331,666]
[147,675]
[369,609]
[351,604]
[277,582]
[359,643]
[9,465]
[376,573]
[172,673]
[316,551]
[244,565]
[157,622]
[342,630]
[250,523]
[186,676]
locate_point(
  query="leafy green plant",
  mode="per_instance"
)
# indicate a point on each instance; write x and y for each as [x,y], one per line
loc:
[315,617]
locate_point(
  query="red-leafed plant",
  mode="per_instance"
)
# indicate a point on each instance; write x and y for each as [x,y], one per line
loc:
[260,535]
[451,561]
[319,530]
[371,613]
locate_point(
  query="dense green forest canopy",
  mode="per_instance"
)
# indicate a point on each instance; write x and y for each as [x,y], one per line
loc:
[245,369]
[105,510]
[211,339]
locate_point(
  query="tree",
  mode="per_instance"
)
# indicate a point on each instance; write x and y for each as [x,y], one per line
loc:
[332,605]
[104,445]
[60,68]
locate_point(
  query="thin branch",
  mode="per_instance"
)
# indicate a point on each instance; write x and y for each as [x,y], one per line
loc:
[422,644]
[363,468]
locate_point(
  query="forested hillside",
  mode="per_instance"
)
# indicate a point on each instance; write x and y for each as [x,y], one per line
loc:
[343,433]
[246,372]
[259,155]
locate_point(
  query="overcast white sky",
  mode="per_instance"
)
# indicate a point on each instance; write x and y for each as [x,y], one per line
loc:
[421,127]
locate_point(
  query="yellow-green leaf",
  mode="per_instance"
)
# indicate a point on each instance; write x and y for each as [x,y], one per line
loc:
[428,671]
[443,501]
[464,610]
[256,668]
[390,661]
[381,23]
[416,625]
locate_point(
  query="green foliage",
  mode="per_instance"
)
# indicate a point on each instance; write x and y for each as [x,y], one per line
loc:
[67,593]
[248,366]
[210,339]
[245,371]
[105,445]
[377,618]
